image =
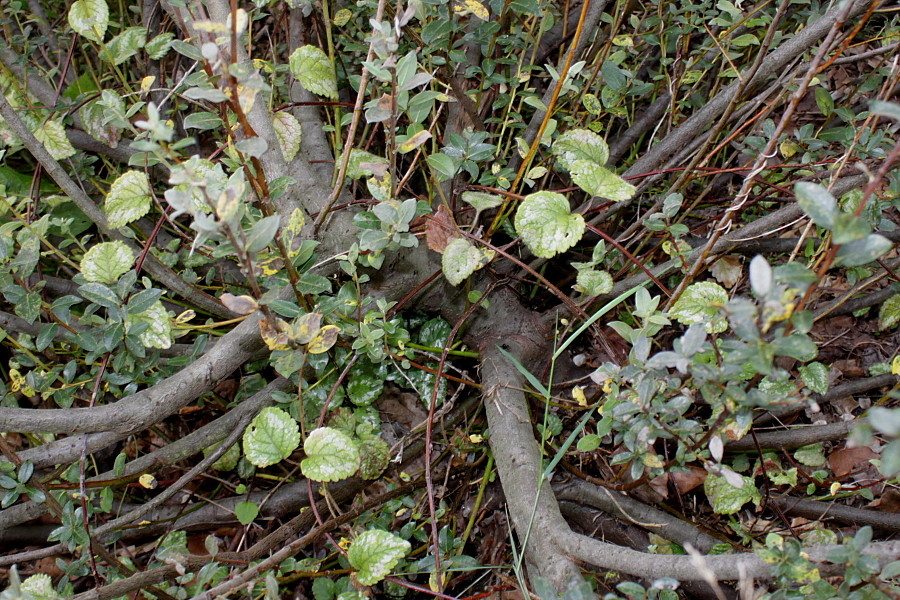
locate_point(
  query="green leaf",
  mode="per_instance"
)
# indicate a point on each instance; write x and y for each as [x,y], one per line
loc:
[202,121]
[593,283]
[365,382]
[862,252]
[159,332]
[444,166]
[89,18]
[374,553]
[811,456]
[363,164]
[53,136]
[97,122]
[481,201]
[128,199]
[288,131]
[270,437]
[99,294]
[727,499]
[849,228]
[159,46]
[745,40]
[246,512]
[106,262]
[815,377]
[795,345]
[889,313]
[461,259]
[546,224]
[818,204]
[311,67]
[580,144]
[597,181]
[824,101]
[700,303]
[331,455]
[885,109]
[125,45]
[375,456]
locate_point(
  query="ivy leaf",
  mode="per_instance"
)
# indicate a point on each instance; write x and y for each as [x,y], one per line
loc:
[128,199]
[818,204]
[374,553]
[727,499]
[53,136]
[331,455]
[815,377]
[270,437]
[546,224]
[375,457]
[159,332]
[889,313]
[106,262]
[699,303]
[89,18]
[288,131]
[311,67]
[580,144]
[593,283]
[597,181]
[461,259]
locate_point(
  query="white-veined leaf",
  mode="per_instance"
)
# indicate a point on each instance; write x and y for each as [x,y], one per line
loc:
[40,587]
[159,46]
[106,262]
[461,259]
[311,67]
[482,201]
[128,199]
[288,131]
[727,499]
[125,45]
[374,553]
[580,144]
[700,303]
[97,124]
[815,377]
[598,181]
[270,437]
[547,225]
[363,164]
[89,18]
[331,455]
[889,313]
[159,331]
[53,136]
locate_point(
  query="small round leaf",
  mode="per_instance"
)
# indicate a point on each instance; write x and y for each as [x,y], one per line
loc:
[546,224]
[374,553]
[271,437]
[331,455]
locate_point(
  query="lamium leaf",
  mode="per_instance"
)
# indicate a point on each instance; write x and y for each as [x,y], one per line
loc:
[311,67]
[593,283]
[53,136]
[331,455]
[889,313]
[700,303]
[482,201]
[546,224]
[270,437]
[39,587]
[106,262]
[727,499]
[461,259]
[125,45]
[817,202]
[597,181]
[815,377]
[374,553]
[288,131]
[128,199]
[363,164]
[158,334]
[89,18]
[580,144]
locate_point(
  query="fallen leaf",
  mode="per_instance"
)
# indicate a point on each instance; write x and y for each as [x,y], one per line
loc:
[685,481]
[440,229]
[727,270]
[845,460]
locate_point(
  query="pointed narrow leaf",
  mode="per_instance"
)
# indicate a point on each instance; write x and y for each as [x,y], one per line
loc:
[597,181]
[331,455]
[53,136]
[817,202]
[311,67]
[374,553]
[270,437]
[89,18]
[106,262]
[288,131]
[128,199]
[546,224]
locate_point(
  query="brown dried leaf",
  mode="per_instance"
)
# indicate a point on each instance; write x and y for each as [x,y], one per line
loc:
[845,460]
[727,270]
[242,305]
[440,229]
[685,481]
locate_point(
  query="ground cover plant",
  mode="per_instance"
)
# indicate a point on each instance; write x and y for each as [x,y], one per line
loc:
[450,298]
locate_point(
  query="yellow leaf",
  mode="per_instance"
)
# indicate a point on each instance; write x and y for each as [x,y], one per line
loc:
[578,394]
[324,340]
[653,461]
[341,17]
[414,141]
[148,481]
[835,488]
[467,7]
[789,148]
[146,83]
[276,337]
[895,365]
[185,316]
[623,40]
[307,327]
[476,439]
